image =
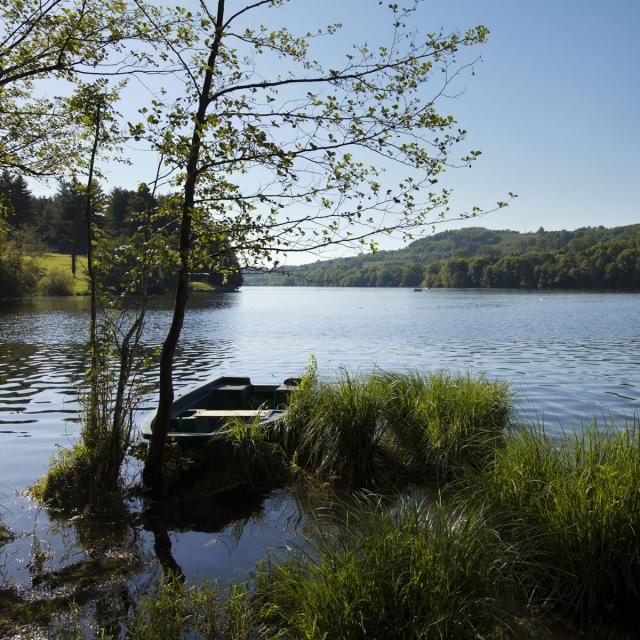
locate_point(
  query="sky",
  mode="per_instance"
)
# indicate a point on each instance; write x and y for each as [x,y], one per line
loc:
[552,105]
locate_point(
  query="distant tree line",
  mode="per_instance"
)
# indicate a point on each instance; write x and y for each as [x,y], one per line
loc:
[587,258]
[55,223]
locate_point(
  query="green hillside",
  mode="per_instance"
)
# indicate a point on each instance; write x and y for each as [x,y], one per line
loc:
[590,257]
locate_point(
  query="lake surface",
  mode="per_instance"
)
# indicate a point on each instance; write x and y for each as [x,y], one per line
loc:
[568,356]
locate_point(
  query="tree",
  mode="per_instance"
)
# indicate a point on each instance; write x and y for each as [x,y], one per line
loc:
[65,229]
[16,200]
[64,40]
[273,164]
[123,206]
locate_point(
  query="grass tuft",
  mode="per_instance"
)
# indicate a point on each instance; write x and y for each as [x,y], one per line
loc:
[68,479]
[334,428]
[443,423]
[242,455]
[573,507]
[363,430]
[417,570]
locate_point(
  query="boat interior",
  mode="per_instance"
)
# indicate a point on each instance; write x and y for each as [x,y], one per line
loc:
[207,408]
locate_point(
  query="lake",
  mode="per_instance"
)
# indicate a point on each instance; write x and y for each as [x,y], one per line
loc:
[568,356]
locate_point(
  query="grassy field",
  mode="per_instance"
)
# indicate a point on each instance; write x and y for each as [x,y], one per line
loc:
[62,262]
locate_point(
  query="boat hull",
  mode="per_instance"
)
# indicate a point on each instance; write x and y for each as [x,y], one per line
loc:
[198,414]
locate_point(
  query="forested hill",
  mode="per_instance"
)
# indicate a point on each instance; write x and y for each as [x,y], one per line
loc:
[586,258]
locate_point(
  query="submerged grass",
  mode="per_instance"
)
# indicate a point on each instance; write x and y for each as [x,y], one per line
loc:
[177,610]
[573,508]
[417,570]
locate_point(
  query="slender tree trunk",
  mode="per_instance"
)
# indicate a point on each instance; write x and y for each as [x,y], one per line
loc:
[74,241]
[153,473]
[93,328]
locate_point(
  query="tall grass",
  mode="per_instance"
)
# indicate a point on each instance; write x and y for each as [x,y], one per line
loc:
[573,506]
[334,428]
[176,610]
[242,455]
[417,570]
[360,429]
[443,423]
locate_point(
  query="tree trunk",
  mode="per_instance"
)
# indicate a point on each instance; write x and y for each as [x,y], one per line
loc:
[153,473]
[93,328]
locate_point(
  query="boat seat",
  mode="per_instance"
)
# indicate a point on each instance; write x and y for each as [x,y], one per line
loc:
[228,396]
[281,395]
[231,413]
[210,420]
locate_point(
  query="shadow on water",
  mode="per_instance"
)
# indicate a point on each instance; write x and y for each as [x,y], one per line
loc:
[105,563]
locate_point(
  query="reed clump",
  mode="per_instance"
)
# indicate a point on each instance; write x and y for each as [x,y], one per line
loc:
[240,456]
[441,423]
[334,429]
[371,430]
[573,508]
[416,570]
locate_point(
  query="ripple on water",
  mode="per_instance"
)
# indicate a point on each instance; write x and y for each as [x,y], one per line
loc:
[569,357]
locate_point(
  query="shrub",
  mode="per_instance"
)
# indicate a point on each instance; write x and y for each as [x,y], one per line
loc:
[57,282]
[573,507]
[19,273]
[414,571]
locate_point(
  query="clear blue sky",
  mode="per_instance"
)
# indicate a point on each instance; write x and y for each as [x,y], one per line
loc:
[554,104]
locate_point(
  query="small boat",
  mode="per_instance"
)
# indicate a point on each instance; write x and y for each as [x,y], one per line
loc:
[418,289]
[198,414]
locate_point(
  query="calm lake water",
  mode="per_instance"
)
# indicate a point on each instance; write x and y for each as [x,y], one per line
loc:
[569,357]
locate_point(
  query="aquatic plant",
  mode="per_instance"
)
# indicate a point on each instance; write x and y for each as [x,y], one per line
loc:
[416,570]
[242,455]
[366,430]
[176,610]
[442,423]
[336,429]
[573,507]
